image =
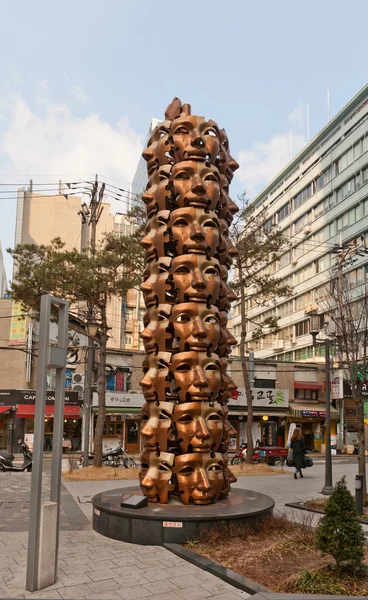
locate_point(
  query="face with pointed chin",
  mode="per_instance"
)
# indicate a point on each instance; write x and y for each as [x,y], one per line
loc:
[197,376]
[196,278]
[155,475]
[200,477]
[199,426]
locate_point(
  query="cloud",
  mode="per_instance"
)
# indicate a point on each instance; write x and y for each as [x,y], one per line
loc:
[264,159]
[79,94]
[56,143]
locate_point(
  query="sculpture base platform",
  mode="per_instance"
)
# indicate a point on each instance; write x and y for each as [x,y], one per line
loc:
[159,524]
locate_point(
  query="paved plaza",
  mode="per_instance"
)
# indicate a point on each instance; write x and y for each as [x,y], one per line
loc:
[92,566]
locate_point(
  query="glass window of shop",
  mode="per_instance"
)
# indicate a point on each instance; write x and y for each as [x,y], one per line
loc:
[72,432]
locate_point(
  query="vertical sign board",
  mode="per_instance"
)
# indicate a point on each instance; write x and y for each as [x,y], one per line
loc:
[337,386]
[18,332]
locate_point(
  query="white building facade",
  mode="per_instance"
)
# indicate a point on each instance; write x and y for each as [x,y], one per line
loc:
[319,200]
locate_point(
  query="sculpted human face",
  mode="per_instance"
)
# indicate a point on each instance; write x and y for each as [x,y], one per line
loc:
[156,287]
[197,376]
[156,321]
[229,432]
[229,478]
[226,295]
[156,425]
[155,475]
[194,138]
[226,206]
[227,383]
[226,250]
[196,279]
[226,163]
[200,477]
[157,152]
[156,381]
[157,194]
[199,426]
[196,184]
[196,327]
[156,236]
[194,231]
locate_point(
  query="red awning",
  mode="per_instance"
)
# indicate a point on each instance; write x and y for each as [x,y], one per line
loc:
[307,385]
[5,408]
[27,411]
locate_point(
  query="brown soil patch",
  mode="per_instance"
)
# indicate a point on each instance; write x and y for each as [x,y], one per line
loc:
[320,503]
[244,469]
[274,556]
[100,474]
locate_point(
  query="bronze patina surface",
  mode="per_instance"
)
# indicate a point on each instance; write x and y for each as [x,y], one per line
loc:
[188,253]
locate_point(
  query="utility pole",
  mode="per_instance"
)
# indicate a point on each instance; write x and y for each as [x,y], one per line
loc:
[94,213]
[328,487]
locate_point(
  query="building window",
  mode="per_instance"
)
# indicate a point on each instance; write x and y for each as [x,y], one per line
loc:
[128,340]
[305,394]
[303,196]
[304,353]
[302,328]
[264,383]
[348,188]
[286,357]
[113,429]
[285,309]
[287,333]
[268,224]
[283,212]
[285,260]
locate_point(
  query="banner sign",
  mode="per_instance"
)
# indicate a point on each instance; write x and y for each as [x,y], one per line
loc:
[11,397]
[119,399]
[18,332]
[263,398]
[337,386]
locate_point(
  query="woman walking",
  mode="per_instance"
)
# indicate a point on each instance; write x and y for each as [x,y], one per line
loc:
[297,445]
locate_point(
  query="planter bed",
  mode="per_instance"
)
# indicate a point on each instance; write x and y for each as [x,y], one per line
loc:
[316,506]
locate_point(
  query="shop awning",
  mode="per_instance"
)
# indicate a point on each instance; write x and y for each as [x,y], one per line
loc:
[27,411]
[308,409]
[4,408]
[259,413]
[307,385]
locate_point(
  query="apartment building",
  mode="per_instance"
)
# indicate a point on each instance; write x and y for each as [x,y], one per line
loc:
[318,200]
[3,280]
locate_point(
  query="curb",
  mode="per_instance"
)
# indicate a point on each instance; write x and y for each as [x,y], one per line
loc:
[315,510]
[238,581]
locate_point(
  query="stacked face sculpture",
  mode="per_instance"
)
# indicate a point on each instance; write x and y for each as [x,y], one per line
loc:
[188,254]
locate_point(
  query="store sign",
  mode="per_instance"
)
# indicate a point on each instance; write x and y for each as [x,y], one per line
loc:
[29,397]
[313,413]
[262,398]
[17,336]
[337,386]
[121,399]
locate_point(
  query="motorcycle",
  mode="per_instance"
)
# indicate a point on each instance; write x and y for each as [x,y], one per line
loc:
[6,459]
[240,456]
[112,458]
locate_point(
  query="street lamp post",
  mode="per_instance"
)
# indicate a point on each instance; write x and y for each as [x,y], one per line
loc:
[314,330]
[92,329]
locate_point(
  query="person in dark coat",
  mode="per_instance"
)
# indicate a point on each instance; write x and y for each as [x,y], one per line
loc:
[297,445]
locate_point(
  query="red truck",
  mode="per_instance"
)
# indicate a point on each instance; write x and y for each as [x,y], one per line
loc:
[272,455]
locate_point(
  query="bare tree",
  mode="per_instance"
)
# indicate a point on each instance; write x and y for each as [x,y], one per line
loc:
[346,309]
[260,244]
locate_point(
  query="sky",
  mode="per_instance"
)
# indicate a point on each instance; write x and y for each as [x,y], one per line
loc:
[80,81]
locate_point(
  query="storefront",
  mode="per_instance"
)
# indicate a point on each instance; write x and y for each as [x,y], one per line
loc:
[270,411]
[311,418]
[122,421]
[20,415]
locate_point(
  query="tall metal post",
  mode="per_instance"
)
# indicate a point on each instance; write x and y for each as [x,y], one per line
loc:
[328,487]
[41,563]
[87,399]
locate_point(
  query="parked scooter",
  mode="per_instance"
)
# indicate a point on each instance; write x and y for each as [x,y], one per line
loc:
[6,459]
[112,457]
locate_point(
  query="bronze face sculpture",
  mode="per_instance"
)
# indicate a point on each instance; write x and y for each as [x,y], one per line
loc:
[185,427]
[157,425]
[196,326]
[199,426]
[194,231]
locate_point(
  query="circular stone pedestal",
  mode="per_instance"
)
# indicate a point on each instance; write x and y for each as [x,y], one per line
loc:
[158,524]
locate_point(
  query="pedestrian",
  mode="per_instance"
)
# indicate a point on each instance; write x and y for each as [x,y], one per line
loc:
[297,445]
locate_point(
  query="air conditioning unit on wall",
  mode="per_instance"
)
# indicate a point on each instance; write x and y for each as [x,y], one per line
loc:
[78,382]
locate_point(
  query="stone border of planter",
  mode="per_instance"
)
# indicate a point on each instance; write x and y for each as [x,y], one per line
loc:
[300,506]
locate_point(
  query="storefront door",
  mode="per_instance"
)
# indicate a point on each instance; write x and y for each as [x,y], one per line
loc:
[132,436]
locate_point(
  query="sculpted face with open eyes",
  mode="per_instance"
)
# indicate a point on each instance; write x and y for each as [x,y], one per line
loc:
[199,426]
[156,321]
[200,477]
[227,383]
[196,278]
[226,208]
[156,236]
[194,138]
[157,152]
[197,376]
[226,295]
[155,475]
[195,184]
[156,287]
[157,195]
[196,327]
[156,425]
[156,381]
[194,231]
[226,250]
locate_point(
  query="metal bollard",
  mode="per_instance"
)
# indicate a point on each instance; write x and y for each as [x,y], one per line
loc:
[359,499]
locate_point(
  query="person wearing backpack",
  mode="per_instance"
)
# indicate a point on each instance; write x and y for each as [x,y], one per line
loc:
[297,445]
